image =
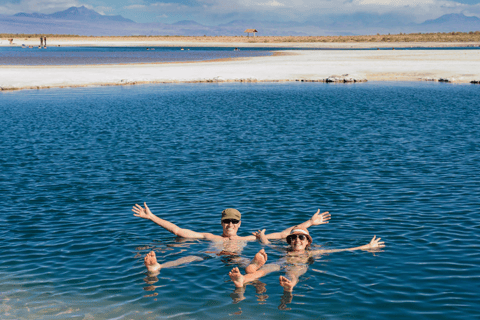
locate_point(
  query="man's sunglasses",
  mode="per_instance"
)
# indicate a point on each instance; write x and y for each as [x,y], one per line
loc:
[294,236]
[227,221]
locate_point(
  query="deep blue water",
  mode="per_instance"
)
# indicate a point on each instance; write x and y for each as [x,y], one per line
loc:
[396,160]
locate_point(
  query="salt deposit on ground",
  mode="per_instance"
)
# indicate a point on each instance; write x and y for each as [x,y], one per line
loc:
[372,65]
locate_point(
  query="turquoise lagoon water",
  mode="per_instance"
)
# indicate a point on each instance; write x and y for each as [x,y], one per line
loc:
[125,55]
[396,160]
[115,55]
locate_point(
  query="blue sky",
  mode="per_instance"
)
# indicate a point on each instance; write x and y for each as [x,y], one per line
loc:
[214,12]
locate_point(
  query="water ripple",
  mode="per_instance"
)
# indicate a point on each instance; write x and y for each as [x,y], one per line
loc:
[399,161]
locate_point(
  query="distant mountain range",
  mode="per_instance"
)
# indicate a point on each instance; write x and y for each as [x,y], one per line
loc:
[75,13]
[83,21]
[452,22]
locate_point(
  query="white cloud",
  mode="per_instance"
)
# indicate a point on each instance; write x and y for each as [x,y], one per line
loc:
[101,9]
[41,6]
[219,11]
[473,11]
[298,10]
[51,5]
[393,3]
[419,10]
[135,6]
[272,3]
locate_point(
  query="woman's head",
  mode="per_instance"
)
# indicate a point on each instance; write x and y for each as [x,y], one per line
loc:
[299,239]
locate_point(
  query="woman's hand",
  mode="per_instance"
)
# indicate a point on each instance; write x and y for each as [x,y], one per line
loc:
[320,218]
[142,213]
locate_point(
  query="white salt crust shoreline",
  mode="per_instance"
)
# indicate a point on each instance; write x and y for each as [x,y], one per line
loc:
[457,66]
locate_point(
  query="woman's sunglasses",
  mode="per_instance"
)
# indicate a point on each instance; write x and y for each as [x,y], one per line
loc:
[227,221]
[294,236]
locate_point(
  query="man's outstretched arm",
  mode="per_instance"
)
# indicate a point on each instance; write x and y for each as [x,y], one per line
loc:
[262,238]
[317,219]
[145,213]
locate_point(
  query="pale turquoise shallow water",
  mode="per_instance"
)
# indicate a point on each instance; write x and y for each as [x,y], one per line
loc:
[125,55]
[115,55]
[399,160]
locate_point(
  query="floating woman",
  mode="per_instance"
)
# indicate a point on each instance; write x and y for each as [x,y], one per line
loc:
[295,262]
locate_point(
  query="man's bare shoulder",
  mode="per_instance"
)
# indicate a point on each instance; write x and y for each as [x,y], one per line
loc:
[213,237]
[247,238]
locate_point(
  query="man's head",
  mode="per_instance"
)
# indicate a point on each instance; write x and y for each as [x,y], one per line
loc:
[231,221]
[299,239]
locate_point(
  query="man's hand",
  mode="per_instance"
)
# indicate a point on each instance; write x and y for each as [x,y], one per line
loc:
[142,213]
[320,218]
[374,244]
[260,235]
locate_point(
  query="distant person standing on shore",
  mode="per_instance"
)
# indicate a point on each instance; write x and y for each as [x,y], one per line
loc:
[44,42]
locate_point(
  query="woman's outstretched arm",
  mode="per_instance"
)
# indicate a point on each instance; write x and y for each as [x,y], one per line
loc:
[317,219]
[374,245]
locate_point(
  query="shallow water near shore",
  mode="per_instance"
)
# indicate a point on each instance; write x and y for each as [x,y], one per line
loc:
[116,55]
[13,56]
[396,160]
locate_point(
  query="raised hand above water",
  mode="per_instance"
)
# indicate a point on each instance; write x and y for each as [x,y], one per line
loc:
[320,218]
[374,245]
[141,212]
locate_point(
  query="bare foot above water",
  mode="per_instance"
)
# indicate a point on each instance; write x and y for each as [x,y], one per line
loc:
[286,284]
[258,261]
[151,262]
[236,277]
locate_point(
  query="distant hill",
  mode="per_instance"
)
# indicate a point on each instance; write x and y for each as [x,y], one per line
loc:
[83,21]
[451,22]
[188,23]
[31,15]
[75,13]
[454,18]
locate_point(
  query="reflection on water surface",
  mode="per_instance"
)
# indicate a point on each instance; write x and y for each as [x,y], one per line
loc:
[399,160]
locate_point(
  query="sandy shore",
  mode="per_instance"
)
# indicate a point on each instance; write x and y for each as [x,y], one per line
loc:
[458,66]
